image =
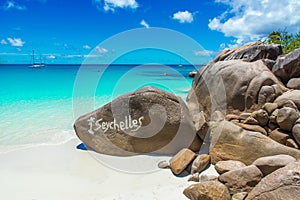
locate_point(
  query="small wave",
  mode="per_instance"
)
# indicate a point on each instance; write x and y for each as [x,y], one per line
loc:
[58,137]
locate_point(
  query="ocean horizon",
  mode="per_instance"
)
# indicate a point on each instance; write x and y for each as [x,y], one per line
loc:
[37,105]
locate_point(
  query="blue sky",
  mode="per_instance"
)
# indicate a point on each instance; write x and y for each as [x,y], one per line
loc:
[66,31]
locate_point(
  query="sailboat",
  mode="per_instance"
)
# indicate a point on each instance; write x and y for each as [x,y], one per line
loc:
[34,64]
[180,62]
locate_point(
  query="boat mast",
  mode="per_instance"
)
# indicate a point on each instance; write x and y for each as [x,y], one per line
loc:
[180,61]
[32,57]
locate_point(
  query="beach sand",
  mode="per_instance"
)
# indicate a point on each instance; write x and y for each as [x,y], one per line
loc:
[65,172]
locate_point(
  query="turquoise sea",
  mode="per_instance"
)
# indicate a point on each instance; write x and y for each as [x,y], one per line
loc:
[38,106]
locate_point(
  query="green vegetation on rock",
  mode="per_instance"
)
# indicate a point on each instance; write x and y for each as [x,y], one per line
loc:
[288,41]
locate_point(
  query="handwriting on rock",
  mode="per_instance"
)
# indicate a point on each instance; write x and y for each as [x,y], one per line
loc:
[127,124]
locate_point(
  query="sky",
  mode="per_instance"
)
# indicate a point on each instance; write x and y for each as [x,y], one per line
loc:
[65,31]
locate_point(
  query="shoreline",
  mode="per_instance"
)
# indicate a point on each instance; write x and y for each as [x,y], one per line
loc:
[111,64]
[5,149]
[56,171]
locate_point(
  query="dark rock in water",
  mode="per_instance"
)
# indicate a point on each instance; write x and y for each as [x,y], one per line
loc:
[235,86]
[148,120]
[208,190]
[241,180]
[288,67]
[251,52]
[293,95]
[284,183]
[192,74]
[231,142]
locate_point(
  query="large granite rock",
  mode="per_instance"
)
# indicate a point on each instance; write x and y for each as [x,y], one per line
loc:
[270,107]
[296,133]
[294,83]
[288,67]
[293,95]
[228,165]
[279,136]
[249,127]
[239,196]
[234,86]
[286,118]
[231,142]
[269,164]
[290,104]
[251,52]
[208,190]
[200,163]
[291,143]
[181,160]
[261,116]
[241,180]
[201,124]
[269,63]
[208,177]
[284,183]
[148,120]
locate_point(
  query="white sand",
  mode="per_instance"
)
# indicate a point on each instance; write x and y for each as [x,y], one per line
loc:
[64,172]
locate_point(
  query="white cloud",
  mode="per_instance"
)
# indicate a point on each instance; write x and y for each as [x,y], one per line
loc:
[204,53]
[12,5]
[86,46]
[183,17]
[222,46]
[16,42]
[111,5]
[3,41]
[253,19]
[145,24]
[101,50]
